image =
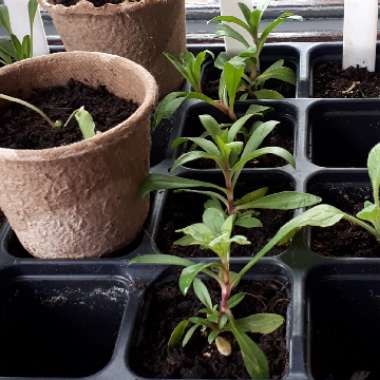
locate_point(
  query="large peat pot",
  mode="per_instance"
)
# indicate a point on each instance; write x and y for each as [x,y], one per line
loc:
[141,31]
[79,200]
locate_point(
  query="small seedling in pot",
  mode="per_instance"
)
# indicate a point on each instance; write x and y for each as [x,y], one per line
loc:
[224,147]
[254,79]
[190,67]
[216,321]
[84,119]
[12,49]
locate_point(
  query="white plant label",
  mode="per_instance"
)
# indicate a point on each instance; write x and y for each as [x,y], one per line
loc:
[231,8]
[19,16]
[360,33]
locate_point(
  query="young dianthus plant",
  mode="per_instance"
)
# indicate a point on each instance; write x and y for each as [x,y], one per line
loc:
[231,147]
[84,119]
[12,49]
[254,79]
[190,67]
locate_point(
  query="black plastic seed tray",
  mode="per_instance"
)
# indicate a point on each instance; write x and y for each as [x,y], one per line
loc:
[85,319]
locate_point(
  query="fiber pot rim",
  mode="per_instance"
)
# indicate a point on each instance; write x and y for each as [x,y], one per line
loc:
[96,142]
[84,7]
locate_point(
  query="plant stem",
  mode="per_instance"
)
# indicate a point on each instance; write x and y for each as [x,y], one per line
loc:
[30,106]
[226,290]
[221,107]
[230,191]
[362,224]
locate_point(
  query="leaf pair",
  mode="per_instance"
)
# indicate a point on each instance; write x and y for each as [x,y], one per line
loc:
[13,49]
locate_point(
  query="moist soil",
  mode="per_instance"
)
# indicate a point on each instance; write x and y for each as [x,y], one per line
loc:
[22,128]
[183,209]
[210,84]
[165,307]
[97,3]
[344,239]
[330,81]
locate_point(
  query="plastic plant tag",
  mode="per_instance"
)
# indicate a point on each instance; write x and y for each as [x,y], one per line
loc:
[19,16]
[360,33]
[231,8]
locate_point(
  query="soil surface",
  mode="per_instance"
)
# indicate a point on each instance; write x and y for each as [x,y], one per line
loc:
[344,239]
[210,83]
[165,307]
[330,81]
[183,209]
[97,3]
[22,128]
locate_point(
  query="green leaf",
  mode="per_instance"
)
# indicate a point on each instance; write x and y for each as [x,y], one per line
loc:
[32,11]
[210,125]
[254,359]
[232,76]
[257,109]
[190,157]
[268,94]
[214,219]
[246,220]
[237,126]
[189,334]
[285,200]
[17,47]
[5,22]
[168,106]
[212,336]
[202,293]
[223,321]
[371,213]
[86,123]
[318,216]
[210,194]
[177,334]
[201,234]
[188,275]
[245,11]
[260,132]
[207,145]
[240,239]
[282,73]
[161,260]
[162,181]
[26,47]
[224,30]
[236,299]
[213,203]
[221,60]
[262,323]
[252,196]
[262,5]
[374,172]
[231,19]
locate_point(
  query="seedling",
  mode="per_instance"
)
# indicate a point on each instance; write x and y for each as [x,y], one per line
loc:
[224,146]
[13,49]
[255,79]
[216,321]
[190,67]
[84,119]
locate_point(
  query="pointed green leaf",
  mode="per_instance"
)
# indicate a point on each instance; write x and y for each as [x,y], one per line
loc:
[168,106]
[237,126]
[190,157]
[374,172]
[236,299]
[252,196]
[246,220]
[202,293]
[268,94]
[177,334]
[224,30]
[262,323]
[189,334]
[214,218]
[188,275]
[86,123]
[161,260]
[5,22]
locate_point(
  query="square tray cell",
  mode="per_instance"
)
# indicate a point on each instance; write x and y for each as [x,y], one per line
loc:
[59,326]
[343,322]
[341,134]
[182,209]
[283,135]
[347,191]
[327,53]
[163,306]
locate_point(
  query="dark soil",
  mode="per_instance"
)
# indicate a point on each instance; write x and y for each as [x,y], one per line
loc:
[22,128]
[165,307]
[330,81]
[344,239]
[183,209]
[97,3]
[210,83]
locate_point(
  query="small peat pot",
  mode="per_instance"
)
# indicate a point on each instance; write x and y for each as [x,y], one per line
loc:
[139,30]
[63,197]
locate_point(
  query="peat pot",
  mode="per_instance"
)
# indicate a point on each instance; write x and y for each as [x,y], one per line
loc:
[79,200]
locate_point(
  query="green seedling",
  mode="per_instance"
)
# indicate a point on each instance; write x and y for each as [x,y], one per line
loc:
[12,49]
[254,79]
[84,119]
[224,146]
